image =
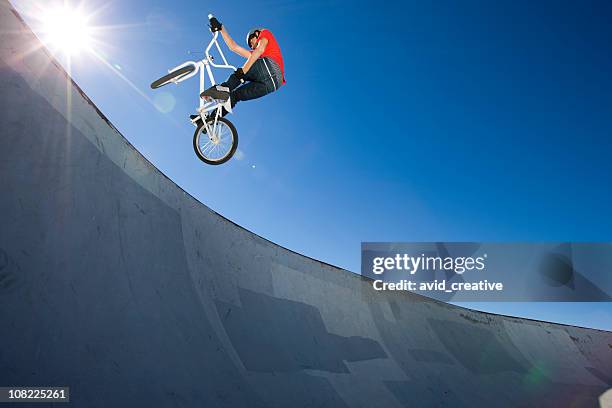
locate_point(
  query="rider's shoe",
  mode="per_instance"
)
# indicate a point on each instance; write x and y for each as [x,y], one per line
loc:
[217,92]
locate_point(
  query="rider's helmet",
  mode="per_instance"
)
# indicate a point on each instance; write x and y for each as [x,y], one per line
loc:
[253,32]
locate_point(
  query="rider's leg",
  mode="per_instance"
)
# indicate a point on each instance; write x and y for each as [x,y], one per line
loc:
[249,91]
[222,91]
[263,78]
[264,71]
[262,82]
[246,92]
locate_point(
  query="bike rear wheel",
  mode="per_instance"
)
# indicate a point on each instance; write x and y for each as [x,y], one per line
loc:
[177,74]
[218,147]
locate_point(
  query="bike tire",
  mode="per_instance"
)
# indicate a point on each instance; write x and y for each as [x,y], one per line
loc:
[165,80]
[225,158]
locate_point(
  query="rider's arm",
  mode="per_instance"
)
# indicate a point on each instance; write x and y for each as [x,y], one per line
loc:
[232,44]
[253,56]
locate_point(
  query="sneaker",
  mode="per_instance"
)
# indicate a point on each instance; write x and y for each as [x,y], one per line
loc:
[216,92]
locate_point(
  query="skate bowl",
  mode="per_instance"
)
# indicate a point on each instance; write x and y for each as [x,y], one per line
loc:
[120,285]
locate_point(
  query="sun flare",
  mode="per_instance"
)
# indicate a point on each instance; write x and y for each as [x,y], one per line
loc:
[67,30]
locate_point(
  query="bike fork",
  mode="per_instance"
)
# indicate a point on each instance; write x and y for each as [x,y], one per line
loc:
[211,129]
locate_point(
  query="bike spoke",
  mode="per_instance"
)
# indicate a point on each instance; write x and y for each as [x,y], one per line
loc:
[208,146]
[223,136]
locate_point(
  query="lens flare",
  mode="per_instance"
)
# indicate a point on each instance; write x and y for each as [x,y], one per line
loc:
[67,29]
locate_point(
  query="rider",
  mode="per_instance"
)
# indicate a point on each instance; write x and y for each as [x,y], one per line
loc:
[261,74]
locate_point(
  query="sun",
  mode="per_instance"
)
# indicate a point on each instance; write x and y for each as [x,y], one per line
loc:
[66,29]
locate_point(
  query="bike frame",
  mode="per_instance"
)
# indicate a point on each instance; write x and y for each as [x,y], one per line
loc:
[202,66]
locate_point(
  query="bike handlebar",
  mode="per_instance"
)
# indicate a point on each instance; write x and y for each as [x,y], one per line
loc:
[213,42]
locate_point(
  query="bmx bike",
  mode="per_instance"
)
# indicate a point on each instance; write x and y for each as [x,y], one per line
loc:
[215,139]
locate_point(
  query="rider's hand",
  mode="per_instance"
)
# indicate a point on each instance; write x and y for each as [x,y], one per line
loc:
[240,74]
[215,25]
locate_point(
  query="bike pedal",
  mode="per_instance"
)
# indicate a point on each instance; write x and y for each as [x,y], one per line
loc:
[196,120]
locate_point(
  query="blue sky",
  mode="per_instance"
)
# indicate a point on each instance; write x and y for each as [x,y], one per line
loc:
[402,121]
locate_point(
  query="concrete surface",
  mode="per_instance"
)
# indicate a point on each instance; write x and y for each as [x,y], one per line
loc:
[117,283]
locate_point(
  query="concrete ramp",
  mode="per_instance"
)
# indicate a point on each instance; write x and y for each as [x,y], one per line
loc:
[120,285]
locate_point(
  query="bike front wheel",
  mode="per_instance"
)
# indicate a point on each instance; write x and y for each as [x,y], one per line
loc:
[177,74]
[220,145]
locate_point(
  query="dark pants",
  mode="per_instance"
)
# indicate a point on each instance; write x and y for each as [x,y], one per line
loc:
[264,77]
